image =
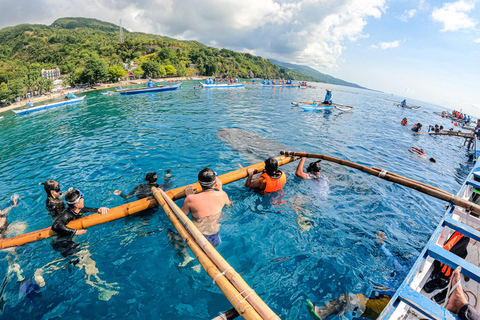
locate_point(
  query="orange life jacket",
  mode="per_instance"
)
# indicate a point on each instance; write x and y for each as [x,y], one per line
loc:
[273,184]
[405,122]
[452,241]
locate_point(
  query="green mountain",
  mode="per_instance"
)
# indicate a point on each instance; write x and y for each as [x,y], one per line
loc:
[89,50]
[318,76]
[73,23]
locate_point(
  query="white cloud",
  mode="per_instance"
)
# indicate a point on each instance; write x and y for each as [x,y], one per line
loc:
[454,16]
[386,45]
[476,40]
[313,32]
[407,15]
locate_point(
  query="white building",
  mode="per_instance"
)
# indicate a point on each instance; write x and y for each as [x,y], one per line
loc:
[51,73]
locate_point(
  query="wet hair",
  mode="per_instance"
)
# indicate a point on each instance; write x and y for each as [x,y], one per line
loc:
[169,170]
[48,186]
[151,177]
[207,178]
[71,197]
[419,124]
[314,167]
[432,159]
[271,167]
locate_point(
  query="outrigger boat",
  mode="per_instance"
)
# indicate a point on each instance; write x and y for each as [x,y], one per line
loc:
[411,301]
[406,106]
[281,85]
[48,106]
[148,90]
[462,215]
[222,85]
[314,106]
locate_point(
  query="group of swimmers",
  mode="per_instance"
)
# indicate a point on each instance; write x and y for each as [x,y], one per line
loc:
[460,116]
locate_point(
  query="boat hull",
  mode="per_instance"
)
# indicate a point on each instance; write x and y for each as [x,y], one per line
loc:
[407,106]
[149,90]
[49,106]
[313,106]
[222,85]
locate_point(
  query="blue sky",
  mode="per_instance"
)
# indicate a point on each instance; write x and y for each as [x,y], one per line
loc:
[429,64]
[424,50]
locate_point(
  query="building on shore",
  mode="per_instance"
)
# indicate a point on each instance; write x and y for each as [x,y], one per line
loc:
[51,73]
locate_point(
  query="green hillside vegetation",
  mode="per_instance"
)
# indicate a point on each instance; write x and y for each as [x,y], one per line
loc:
[322,77]
[89,50]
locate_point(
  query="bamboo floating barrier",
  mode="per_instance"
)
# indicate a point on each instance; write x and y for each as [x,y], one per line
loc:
[240,304]
[129,208]
[250,295]
[413,184]
[453,133]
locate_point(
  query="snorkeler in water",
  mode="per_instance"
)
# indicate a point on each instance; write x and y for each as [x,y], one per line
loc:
[145,190]
[313,170]
[75,210]
[4,215]
[372,306]
[272,180]
[54,202]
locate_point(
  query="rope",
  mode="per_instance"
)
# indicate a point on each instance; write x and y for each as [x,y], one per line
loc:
[382,174]
[242,300]
[241,293]
[468,297]
[221,274]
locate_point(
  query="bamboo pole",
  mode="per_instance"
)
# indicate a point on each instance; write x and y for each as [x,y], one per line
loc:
[423,184]
[227,315]
[237,281]
[413,184]
[128,208]
[241,306]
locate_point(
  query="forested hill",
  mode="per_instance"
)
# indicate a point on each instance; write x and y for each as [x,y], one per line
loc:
[89,50]
[322,77]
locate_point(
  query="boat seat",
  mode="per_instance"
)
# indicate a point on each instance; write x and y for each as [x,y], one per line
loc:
[475,184]
[476,175]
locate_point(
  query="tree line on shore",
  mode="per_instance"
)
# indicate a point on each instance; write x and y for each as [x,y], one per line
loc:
[88,51]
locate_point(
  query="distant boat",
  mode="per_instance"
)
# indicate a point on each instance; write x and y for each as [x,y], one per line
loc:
[314,106]
[406,106]
[49,106]
[281,85]
[148,90]
[222,85]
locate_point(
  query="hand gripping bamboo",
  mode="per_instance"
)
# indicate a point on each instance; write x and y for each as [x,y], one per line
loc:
[250,295]
[392,177]
[236,299]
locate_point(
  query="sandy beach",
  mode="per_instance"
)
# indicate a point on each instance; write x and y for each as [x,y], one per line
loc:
[65,91]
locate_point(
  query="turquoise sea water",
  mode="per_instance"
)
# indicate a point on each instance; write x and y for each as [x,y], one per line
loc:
[111,142]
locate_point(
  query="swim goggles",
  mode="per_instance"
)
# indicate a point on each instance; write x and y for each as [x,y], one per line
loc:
[78,199]
[209,183]
[57,188]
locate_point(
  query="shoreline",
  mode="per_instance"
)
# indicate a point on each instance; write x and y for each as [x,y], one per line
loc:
[24,103]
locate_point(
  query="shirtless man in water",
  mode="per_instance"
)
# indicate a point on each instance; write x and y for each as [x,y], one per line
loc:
[206,206]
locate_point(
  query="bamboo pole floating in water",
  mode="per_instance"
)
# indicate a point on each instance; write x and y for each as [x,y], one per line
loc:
[231,293]
[250,295]
[128,208]
[413,184]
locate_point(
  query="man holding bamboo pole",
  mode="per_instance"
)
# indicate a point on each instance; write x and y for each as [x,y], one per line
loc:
[206,206]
